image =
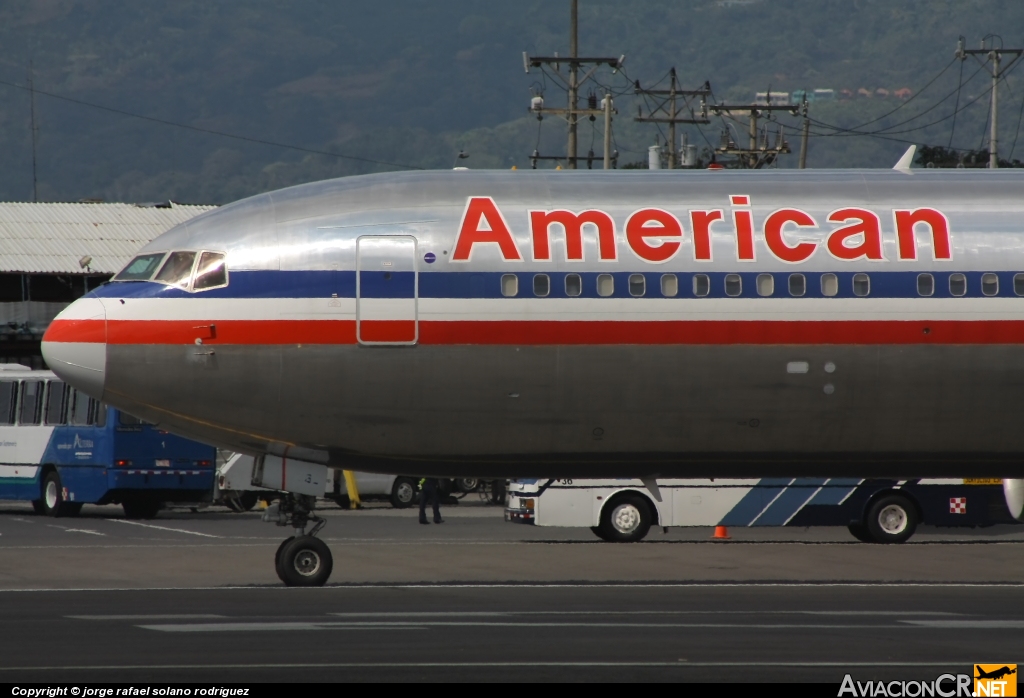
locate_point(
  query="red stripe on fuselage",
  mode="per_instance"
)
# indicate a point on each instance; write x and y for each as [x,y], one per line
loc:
[510,332]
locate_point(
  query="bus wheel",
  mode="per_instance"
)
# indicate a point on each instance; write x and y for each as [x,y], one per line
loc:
[860,532]
[626,519]
[403,493]
[891,519]
[52,498]
[140,508]
[305,561]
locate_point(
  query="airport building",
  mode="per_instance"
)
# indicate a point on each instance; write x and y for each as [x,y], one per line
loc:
[52,253]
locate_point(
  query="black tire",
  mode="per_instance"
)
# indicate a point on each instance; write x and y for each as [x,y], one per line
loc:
[403,493]
[626,519]
[51,495]
[37,506]
[599,533]
[277,556]
[891,519]
[140,508]
[860,532]
[305,562]
[467,484]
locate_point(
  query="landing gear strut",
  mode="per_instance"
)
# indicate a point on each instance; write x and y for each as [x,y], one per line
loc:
[301,560]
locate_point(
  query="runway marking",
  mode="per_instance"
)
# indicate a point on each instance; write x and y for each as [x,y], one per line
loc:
[84,530]
[503,614]
[154,616]
[968,624]
[680,664]
[272,626]
[356,586]
[165,528]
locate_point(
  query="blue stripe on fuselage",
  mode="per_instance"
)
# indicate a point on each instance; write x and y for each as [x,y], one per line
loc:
[470,284]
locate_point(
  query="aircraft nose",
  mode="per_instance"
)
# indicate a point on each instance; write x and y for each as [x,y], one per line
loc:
[75,346]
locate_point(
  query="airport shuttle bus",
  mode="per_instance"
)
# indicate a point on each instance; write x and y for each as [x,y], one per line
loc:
[60,449]
[876,511]
[648,324]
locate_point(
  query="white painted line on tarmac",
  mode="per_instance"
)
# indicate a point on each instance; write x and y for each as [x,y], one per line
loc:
[680,664]
[280,588]
[84,530]
[152,616]
[166,528]
[271,626]
[502,614]
[968,624]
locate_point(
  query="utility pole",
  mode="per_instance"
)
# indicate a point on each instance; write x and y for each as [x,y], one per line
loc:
[669,108]
[32,111]
[994,56]
[573,84]
[805,134]
[757,154]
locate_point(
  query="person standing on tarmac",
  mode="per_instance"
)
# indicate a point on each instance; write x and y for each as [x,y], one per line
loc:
[430,487]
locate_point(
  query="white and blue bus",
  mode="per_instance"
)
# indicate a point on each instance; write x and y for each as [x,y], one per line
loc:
[60,449]
[875,511]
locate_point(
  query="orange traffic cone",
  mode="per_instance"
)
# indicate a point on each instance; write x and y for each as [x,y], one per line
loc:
[721,533]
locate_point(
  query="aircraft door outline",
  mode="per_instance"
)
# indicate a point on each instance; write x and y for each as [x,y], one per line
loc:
[387,290]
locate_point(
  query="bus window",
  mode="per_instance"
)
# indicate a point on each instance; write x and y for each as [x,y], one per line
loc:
[31,402]
[98,413]
[211,272]
[177,270]
[56,402]
[141,268]
[8,393]
[79,409]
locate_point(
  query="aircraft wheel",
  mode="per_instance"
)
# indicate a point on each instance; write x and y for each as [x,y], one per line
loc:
[53,496]
[403,493]
[305,562]
[277,556]
[891,519]
[626,519]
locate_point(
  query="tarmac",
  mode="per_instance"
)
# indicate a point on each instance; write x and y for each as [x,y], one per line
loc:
[192,596]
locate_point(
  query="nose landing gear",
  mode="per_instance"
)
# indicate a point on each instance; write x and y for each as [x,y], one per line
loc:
[301,560]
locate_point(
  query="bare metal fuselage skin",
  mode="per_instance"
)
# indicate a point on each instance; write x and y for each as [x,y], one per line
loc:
[351,332]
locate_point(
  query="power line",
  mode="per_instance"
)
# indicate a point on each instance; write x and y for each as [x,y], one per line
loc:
[213,132]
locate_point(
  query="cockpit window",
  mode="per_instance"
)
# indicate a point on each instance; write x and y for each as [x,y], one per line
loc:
[141,268]
[211,272]
[177,269]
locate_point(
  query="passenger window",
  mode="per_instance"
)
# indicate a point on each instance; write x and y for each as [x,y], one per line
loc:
[797,285]
[211,272]
[669,285]
[637,285]
[605,285]
[925,284]
[141,268]
[177,270]
[701,285]
[765,284]
[1018,284]
[56,402]
[79,408]
[99,413]
[990,284]
[861,285]
[957,285]
[8,395]
[31,402]
[573,285]
[733,285]
[541,285]
[509,285]
[829,285]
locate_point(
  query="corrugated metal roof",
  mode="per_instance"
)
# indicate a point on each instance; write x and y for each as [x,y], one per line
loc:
[52,238]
